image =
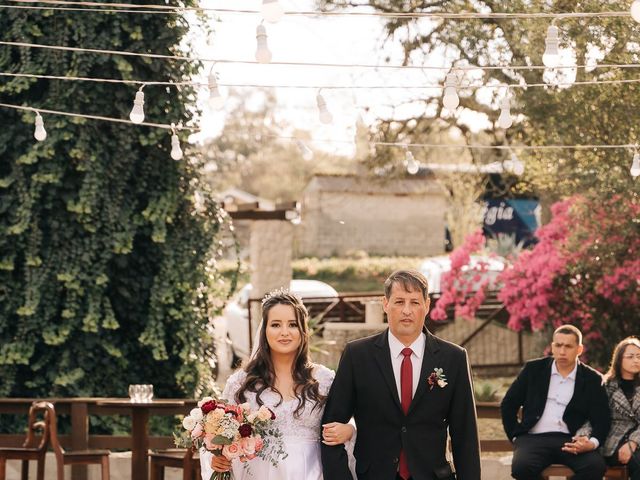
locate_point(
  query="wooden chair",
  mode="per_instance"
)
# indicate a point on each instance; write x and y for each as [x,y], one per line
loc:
[77,457]
[612,473]
[175,458]
[33,448]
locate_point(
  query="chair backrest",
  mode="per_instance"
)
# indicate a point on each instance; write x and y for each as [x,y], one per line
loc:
[39,421]
[53,432]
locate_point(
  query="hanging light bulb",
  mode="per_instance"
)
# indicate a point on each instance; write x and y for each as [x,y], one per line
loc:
[325,114]
[40,134]
[514,165]
[176,151]
[635,10]
[271,11]
[137,112]
[635,166]
[551,56]
[216,101]
[450,100]
[306,152]
[410,161]
[505,120]
[263,54]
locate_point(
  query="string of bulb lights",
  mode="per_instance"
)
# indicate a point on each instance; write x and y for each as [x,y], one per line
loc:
[262,50]
[272,12]
[513,165]
[207,85]
[277,12]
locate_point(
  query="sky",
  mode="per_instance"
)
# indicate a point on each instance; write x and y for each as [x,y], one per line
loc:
[318,39]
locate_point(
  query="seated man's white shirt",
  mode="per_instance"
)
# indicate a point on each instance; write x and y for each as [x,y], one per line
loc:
[560,393]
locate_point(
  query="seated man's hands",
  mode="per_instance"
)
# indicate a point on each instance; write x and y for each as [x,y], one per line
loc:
[579,445]
[336,433]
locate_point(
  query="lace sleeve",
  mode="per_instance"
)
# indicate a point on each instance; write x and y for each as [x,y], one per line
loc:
[325,377]
[234,382]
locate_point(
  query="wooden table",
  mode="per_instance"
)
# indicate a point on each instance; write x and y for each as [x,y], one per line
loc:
[139,412]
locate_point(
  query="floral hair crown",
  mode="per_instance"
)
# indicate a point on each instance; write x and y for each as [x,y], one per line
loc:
[275,293]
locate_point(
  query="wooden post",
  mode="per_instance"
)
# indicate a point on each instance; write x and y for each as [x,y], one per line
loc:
[140,447]
[79,436]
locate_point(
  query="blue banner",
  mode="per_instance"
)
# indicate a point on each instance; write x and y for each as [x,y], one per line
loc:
[515,218]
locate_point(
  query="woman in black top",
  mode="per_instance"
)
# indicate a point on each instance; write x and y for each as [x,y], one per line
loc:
[622,383]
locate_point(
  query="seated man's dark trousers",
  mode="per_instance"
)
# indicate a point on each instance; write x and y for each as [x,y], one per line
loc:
[535,452]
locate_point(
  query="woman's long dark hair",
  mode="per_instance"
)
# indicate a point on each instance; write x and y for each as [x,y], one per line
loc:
[260,371]
[616,360]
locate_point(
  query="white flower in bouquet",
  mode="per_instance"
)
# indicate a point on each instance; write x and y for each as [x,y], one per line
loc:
[189,423]
[196,413]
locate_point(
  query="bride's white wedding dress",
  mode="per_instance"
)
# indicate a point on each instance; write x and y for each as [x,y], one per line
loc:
[301,434]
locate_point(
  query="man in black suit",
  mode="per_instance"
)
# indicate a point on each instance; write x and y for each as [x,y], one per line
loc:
[405,388]
[558,395]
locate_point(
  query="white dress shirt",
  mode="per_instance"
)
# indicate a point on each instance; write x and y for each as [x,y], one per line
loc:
[396,347]
[560,393]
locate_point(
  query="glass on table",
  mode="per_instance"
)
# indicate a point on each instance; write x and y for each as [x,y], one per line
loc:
[139,393]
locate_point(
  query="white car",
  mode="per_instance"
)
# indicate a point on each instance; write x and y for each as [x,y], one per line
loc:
[433,268]
[231,330]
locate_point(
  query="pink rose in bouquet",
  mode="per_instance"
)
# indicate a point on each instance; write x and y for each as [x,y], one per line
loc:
[233,431]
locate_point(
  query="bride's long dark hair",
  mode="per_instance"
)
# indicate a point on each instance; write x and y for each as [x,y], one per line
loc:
[260,372]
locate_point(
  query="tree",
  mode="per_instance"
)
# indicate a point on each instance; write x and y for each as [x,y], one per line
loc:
[252,154]
[588,114]
[584,270]
[106,243]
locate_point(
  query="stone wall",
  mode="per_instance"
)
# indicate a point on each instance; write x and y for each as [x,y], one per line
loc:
[343,214]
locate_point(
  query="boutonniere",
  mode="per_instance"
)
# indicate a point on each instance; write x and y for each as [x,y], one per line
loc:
[437,377]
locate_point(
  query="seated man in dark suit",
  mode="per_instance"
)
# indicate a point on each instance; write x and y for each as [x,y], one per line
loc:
[558,395]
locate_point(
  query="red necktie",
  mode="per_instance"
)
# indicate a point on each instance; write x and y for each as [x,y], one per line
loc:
[406,390]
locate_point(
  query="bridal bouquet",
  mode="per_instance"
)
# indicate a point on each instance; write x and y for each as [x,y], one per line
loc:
[234,431]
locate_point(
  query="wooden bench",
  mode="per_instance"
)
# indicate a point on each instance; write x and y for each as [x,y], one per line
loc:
[619,473]
[492,410]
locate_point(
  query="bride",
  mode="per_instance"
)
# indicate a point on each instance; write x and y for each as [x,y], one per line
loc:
[281,376]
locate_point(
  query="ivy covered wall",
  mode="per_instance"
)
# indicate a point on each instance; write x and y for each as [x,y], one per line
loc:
[105,261]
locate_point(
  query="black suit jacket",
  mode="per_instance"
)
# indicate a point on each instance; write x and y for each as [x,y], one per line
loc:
[365,388]
[530,389]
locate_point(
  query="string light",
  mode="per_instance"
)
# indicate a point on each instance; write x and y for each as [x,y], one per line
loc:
[137,112]
[635,10]
[635,165]
[410,162]
[450,99]
[167,9]
[307,153]
[316,87]
[323,111]
[514,165]
[551,56]
[312,64]
[505,120]
[216,101]
[40,134]
[176,151]
[263,54]
[271,11]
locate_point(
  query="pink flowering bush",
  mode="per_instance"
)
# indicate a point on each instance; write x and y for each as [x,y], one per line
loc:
[462,287]
[585,270]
